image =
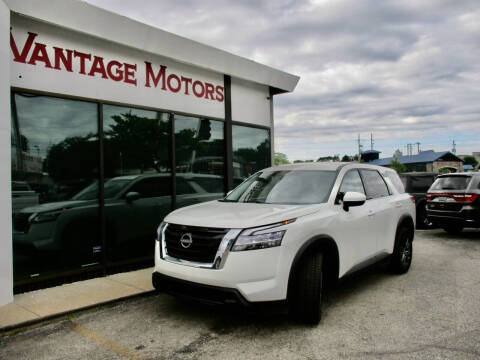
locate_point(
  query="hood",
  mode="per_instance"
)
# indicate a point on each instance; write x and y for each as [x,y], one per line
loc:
[56,206]
[231,215]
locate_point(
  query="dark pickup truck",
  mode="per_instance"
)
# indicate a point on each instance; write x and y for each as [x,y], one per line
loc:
[417,184]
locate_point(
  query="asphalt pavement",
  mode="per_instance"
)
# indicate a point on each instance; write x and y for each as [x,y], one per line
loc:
[433,312]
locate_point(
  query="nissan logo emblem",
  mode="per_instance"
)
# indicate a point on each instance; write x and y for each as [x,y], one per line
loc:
[186,240]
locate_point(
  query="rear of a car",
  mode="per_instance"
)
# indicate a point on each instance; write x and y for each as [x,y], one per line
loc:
[453,201]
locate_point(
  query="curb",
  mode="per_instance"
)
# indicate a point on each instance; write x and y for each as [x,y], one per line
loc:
[24,324]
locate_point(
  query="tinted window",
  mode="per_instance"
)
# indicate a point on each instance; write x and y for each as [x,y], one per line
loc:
[251,151]
[351,182]
[374,184]
[55,150]
[136,143]
[199,153]
[451,183]
[285,187]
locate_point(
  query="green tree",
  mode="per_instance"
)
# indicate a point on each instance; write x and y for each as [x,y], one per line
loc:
[398,166]
[281,158]
[346,158]
[470,160]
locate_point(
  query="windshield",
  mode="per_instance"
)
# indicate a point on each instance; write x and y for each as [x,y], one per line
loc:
[112,188]
[451,183]
[285,187]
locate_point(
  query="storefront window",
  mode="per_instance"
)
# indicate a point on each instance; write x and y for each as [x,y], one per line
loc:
[137,179]
[251,151]
[54,158]
[199,154]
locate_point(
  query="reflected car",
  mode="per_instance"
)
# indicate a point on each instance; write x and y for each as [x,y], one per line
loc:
[134,205]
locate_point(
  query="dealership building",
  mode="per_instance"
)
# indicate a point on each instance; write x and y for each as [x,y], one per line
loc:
[108,124]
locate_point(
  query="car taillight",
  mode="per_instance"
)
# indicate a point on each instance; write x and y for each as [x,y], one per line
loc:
[412,198]
[465,197]
[429,197]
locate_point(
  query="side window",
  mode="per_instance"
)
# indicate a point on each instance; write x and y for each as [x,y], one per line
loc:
[400,185]
[351,182]
[374,184]
[148,188]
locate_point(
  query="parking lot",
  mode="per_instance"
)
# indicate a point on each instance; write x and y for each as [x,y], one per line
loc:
[433,312]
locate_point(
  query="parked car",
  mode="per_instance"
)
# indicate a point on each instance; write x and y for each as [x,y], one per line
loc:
[417,184]
[22,196]
[134,205]
[285,234]
[453,202]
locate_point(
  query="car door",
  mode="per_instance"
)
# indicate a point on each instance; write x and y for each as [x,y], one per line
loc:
[380,207]
[356,228]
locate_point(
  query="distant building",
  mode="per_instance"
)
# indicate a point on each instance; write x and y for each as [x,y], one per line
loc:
[428,160]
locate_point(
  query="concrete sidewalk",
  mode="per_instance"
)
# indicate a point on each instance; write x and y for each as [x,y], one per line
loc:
[42,304]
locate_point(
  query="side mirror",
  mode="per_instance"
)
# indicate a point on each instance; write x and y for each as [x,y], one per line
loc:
[352,198]
[132,196]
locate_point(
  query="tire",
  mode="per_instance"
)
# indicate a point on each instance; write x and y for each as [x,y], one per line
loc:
[453,229]
[305,299]
[401,258]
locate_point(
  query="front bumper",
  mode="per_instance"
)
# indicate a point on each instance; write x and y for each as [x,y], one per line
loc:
[256,275]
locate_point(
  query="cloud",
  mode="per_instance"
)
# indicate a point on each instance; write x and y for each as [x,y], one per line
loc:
[405,70]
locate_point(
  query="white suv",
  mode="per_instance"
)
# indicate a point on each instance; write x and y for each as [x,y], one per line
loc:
[284,234]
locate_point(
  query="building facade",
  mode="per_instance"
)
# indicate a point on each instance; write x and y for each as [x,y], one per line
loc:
[112,124]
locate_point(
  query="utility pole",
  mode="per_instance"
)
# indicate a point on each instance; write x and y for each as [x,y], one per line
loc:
[371,141]
[418,147]
[454,147]
[359,147]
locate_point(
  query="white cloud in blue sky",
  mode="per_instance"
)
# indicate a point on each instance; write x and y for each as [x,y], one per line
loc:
[404,70]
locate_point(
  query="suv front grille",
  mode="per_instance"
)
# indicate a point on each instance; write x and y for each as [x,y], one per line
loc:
[204,246]
[20,222]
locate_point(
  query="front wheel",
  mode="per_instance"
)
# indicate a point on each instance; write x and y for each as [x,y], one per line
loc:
[401,258]
[306,296]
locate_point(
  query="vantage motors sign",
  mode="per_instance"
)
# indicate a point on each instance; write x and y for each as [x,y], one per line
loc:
[50,59]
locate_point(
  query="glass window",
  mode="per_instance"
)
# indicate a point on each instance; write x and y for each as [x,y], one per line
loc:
[374,184]
[199,154]
[137,159]
[352,182]
[251,151]
[54,157]
[451,183]
[398,183]
[285,187]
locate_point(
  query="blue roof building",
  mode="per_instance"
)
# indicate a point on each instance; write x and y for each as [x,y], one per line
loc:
[429,160]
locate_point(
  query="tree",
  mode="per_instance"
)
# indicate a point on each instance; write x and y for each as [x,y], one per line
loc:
[346,158]
[398,166]
[470,160]
[281,158]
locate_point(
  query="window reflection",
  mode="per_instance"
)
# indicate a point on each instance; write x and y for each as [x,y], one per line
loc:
[138,179]
[251,151]
[54,156]
[199,153]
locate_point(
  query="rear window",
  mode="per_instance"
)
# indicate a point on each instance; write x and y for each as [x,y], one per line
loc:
[451,183]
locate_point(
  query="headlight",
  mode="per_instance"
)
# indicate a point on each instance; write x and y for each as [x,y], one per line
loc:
[249,240]
[45,217]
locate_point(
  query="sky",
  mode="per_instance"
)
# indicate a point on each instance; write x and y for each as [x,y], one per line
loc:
[406,71]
